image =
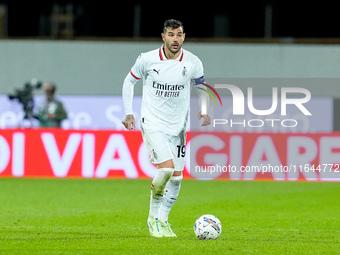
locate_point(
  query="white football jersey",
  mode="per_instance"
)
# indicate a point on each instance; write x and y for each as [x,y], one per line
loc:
[166,88]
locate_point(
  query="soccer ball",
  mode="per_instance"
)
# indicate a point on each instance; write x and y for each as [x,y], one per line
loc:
[207,227]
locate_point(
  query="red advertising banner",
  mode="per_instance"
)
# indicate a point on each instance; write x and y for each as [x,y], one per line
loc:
[70,153]
[122,154]
[280,156]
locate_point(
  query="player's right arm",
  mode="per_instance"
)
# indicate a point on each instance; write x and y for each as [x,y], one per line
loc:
[130,80]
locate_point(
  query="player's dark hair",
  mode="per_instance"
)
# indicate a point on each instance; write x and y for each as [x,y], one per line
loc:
[173,24]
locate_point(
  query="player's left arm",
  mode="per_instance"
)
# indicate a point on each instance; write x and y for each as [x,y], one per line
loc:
[202,96]
[197,81]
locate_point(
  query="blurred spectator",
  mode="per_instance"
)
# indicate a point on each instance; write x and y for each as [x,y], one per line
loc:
[52,111]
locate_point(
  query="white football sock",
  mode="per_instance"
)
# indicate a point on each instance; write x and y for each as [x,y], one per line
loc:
[157,189]
[170,196]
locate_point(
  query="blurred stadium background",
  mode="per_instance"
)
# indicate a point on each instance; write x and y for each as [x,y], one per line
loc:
[52,196]
[88,47]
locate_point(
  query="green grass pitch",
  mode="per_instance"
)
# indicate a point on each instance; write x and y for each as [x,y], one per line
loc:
[68,216]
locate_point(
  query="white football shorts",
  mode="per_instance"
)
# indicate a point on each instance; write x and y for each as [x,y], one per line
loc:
[163,147]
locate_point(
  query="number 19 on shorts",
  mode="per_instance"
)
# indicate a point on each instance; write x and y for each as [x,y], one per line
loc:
[180,151]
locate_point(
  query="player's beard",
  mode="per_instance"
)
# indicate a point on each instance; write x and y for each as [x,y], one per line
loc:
[170,47]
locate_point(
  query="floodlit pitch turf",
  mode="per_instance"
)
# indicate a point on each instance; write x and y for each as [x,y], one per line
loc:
[43,216]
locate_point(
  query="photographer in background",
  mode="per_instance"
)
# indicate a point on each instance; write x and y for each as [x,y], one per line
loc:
[52,111]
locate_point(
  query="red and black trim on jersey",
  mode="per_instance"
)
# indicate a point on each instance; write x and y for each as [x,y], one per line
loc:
[162,55]
[134,76]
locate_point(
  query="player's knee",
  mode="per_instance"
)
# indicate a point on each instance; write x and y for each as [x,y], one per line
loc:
[163,176]
[177,173]
[166,173]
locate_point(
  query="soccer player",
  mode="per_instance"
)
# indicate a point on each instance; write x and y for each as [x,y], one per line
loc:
[167,74]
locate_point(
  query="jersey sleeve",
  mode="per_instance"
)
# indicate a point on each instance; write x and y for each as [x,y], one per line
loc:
[137,71]
[198,71]
[127,93]
[197,80]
